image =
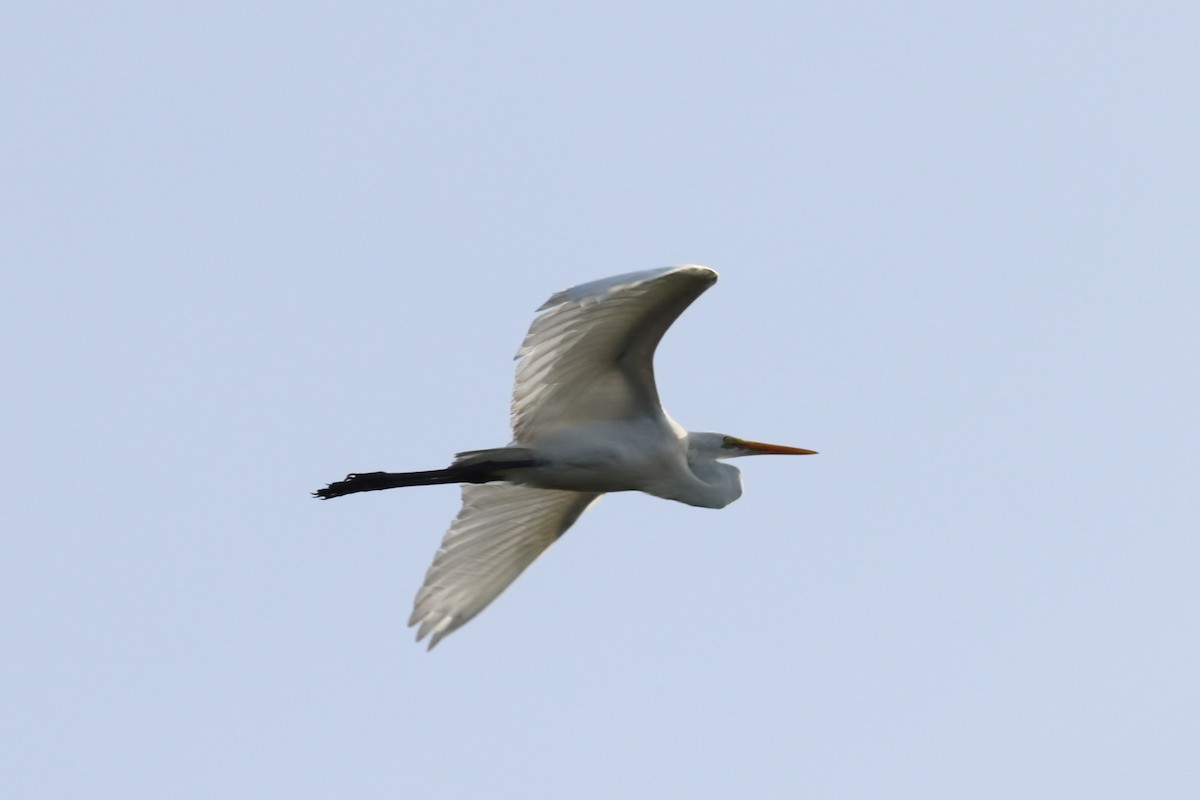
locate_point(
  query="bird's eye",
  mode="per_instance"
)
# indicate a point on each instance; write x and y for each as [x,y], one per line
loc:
[729,443]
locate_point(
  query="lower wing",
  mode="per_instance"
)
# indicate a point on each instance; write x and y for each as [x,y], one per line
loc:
[499,531]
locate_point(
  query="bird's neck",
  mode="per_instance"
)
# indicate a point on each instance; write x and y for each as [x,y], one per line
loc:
[716,484]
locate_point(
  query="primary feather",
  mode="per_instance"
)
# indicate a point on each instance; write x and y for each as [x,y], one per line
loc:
[500,529]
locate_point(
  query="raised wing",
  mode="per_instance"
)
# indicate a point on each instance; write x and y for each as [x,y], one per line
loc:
[499,531]
[589,354]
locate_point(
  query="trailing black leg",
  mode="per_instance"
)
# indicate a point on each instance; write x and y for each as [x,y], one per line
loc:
[483,472]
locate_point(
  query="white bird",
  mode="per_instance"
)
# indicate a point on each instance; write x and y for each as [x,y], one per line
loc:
[586,420]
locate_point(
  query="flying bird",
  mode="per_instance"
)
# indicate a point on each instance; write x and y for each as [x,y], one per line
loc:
[586,420]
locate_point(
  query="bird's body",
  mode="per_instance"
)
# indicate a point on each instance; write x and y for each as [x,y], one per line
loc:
[586,421]
[629,456]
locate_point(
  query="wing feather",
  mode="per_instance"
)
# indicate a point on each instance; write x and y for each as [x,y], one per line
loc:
[500,530]
[589,354]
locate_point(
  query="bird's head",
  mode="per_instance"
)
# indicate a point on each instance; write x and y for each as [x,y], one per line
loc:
[720,446]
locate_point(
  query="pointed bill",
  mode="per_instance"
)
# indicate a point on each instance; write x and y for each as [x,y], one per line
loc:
[759,448]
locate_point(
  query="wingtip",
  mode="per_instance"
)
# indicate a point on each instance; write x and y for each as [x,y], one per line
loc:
[427,626]
[433,640]
[595,291]
[709,274]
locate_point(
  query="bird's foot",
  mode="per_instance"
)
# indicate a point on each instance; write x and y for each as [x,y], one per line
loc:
[354,482]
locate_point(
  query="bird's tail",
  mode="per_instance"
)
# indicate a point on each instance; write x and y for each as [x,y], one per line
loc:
[475,466]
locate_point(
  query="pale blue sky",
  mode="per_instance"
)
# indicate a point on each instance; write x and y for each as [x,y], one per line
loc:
[252,247]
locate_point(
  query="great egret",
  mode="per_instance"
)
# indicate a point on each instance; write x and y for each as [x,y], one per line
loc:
[586,420]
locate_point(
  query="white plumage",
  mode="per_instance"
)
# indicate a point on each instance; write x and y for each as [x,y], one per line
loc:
[500,529]
[586,420]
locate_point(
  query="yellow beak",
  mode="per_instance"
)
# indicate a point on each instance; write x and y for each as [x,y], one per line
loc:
[758,448]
